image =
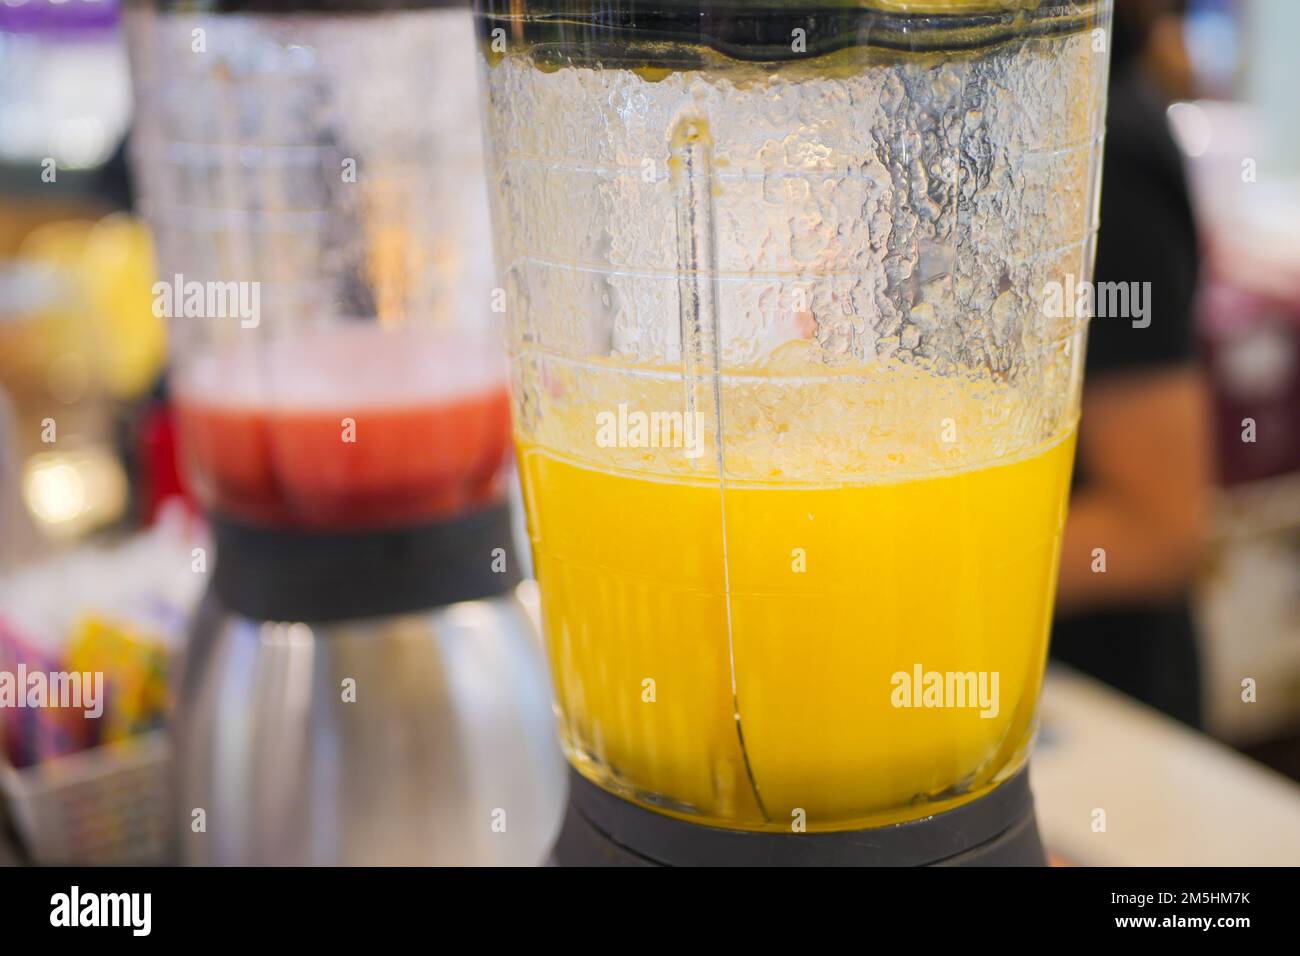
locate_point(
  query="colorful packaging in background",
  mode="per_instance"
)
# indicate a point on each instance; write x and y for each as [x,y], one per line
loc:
[134,665]
[117,612]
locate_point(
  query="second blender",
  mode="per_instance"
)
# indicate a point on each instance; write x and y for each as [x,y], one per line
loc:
[362,686]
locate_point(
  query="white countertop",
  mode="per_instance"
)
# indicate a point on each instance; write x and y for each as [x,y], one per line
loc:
[1171,797]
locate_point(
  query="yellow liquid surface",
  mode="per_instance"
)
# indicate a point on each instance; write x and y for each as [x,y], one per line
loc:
[747,677]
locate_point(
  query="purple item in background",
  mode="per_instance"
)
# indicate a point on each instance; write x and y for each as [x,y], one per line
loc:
[1252,349]
[51,19]
[31,735]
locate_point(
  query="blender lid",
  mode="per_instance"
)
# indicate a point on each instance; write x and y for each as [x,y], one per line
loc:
[644,31]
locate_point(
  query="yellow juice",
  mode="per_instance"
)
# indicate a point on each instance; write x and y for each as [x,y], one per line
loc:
[730,651]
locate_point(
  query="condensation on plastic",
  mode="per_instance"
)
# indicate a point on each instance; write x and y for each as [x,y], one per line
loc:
[879,209]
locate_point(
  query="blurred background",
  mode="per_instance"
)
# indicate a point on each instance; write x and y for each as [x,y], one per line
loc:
[97,528]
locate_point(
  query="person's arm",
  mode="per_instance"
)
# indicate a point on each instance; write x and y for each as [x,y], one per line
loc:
[1143,442]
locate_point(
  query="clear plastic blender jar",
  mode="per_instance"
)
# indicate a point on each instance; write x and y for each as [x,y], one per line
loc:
[794,411]
[314,181]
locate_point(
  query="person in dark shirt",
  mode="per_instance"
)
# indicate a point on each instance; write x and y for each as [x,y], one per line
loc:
[1142,472]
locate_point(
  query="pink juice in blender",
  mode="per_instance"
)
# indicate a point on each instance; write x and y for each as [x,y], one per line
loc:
[360,427]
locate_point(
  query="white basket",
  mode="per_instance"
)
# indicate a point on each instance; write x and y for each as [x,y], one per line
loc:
[107,806]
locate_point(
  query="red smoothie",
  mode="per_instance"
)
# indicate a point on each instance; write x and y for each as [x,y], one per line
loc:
[363,429]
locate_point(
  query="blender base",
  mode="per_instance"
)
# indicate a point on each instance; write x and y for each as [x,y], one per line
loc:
[601,829]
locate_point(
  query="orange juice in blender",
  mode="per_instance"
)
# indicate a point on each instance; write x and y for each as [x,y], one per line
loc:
[744,650]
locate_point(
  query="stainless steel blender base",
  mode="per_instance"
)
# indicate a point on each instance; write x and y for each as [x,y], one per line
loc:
[366,698]
[601,829]
[444,756]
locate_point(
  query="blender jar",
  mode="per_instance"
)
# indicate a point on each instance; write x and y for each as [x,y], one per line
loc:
[794,410]
[314,180]
[362,684]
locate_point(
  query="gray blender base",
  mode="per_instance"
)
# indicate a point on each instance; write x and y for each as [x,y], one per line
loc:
[601,829]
